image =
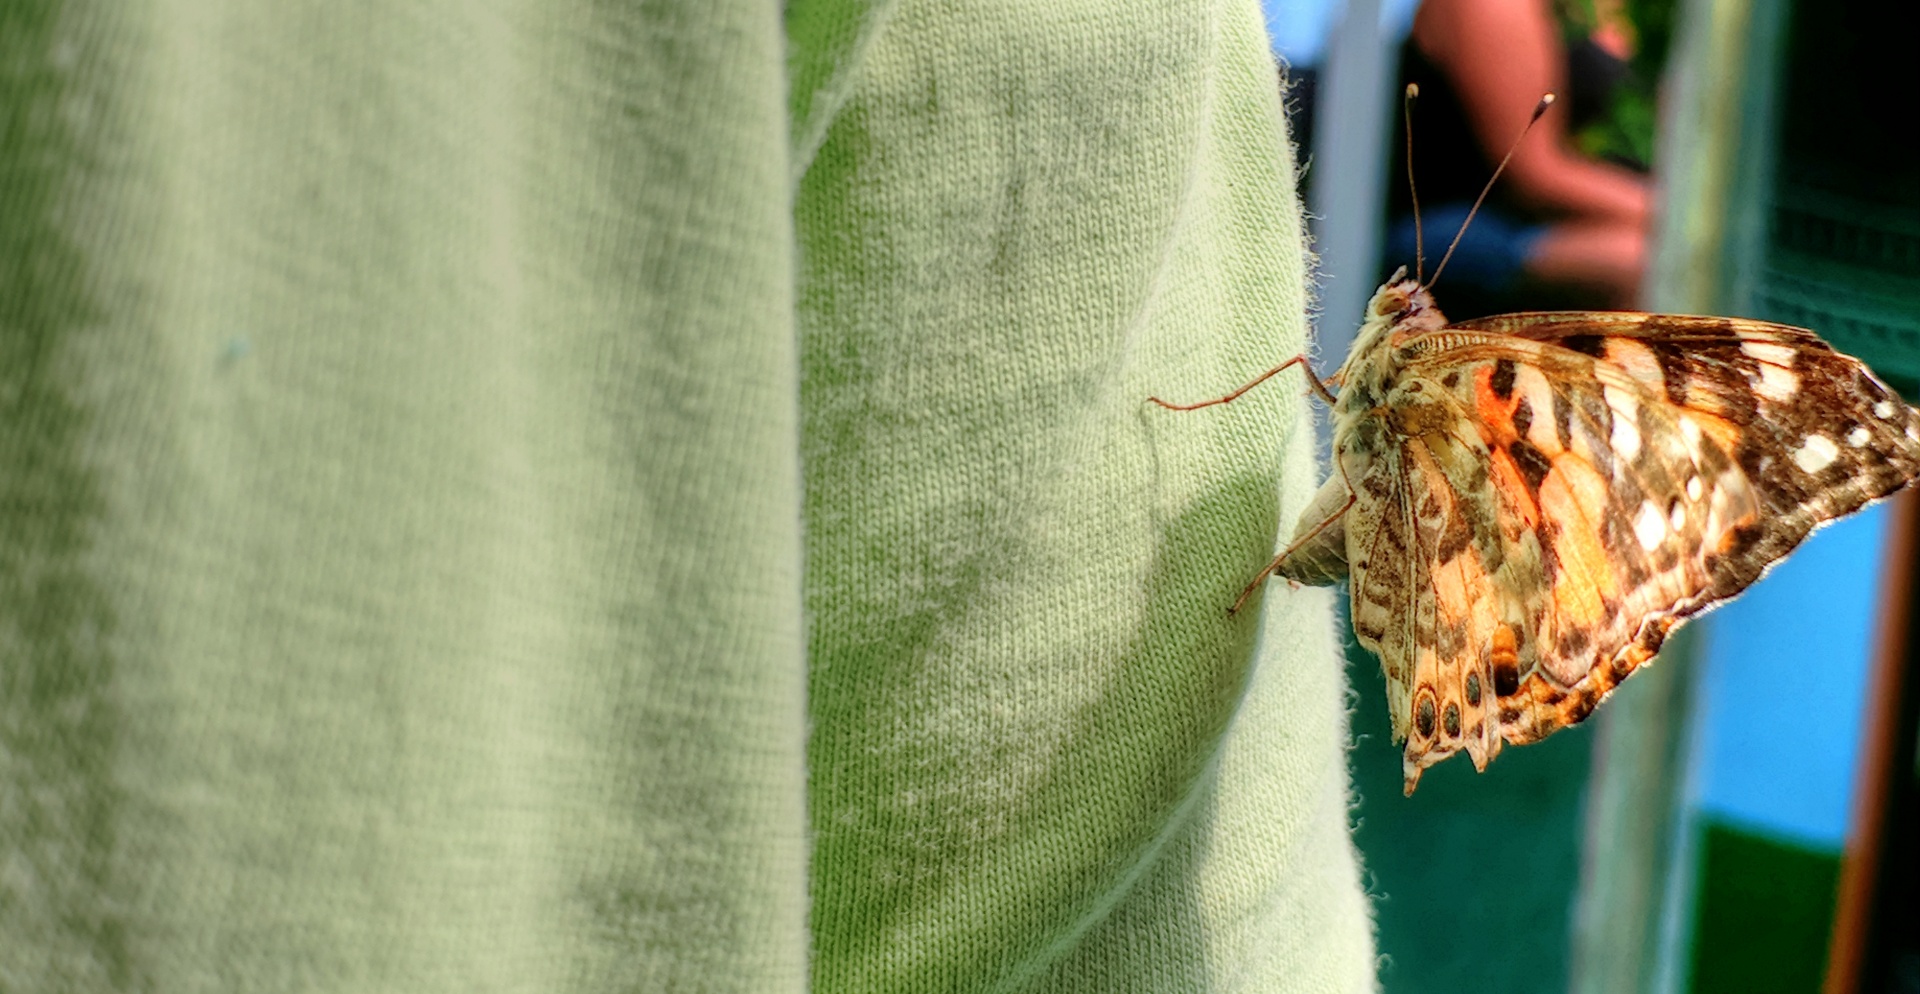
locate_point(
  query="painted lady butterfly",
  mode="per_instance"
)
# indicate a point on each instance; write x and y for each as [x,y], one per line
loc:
[1527,504]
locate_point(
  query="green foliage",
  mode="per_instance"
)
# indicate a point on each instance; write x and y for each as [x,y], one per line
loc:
[1625,132]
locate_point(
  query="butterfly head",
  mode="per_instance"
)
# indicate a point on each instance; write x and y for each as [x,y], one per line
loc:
[1402,301]
[1401,306]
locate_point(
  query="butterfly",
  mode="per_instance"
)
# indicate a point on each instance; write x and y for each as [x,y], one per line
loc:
[1525,505]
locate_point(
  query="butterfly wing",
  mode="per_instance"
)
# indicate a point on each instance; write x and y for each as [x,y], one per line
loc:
[1419,540]
[1560,490]
[1421,581]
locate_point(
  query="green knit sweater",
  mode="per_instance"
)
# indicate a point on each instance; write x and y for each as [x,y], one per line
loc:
[563,496]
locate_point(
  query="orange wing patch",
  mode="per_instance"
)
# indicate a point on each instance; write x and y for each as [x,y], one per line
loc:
[1575,496]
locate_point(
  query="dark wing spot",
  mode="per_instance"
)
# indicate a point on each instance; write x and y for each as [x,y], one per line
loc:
[1574,641]
[1532,463]
[1450,380]
[1616,534]
[1633,569]
[1735,566]
[1743,537]
[1455,539]
[1549,556]
[1473,690]
[1452,720]
[1506,676]
[1653,637]
[1674,368]
[1733,394]
[1423,718]
[1598,417]
[1452,639]
[1522,417]
[1503,379]
[1593,345]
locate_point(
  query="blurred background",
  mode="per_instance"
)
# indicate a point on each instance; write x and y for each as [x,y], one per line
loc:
[1745,814]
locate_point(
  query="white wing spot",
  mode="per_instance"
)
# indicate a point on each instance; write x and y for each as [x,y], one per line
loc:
[1677,516]
[1650,527]
[1816,453]
[1626,438]
[1690,433]
[1530,383]
[1776,384]
[1884,409]
[1693,488]
[1638,360]
[1773,352]
[1858,437]
[1623,403]
[1626,433]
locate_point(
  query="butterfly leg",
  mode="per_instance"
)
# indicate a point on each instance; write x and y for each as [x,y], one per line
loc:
[1289,550]
[1319,387]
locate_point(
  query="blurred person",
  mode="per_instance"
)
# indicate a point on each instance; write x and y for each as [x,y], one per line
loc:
[1560,229]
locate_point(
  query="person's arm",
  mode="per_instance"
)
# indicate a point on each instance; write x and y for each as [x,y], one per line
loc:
[1501,56]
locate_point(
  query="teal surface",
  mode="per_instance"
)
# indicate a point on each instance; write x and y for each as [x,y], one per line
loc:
[1475,876]
[1763,912]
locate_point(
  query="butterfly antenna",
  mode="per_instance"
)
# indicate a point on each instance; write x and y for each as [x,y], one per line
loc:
[1539,109]
[1413,190]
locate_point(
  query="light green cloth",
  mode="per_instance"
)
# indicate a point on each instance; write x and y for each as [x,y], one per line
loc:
[515,496]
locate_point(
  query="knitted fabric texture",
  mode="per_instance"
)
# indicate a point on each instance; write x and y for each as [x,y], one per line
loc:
[590,497]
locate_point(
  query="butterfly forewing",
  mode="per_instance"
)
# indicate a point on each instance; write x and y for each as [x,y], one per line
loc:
[1816,435]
